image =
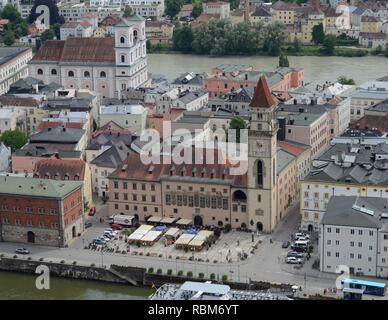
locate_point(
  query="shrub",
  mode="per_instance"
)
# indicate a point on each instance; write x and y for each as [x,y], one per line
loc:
[201,275]
[169,272]
[190,274]
[180,273]
[151,270]
[159,271]
[224,277]
[212,276]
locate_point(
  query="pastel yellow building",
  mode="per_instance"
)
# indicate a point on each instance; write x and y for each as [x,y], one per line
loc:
[370,24]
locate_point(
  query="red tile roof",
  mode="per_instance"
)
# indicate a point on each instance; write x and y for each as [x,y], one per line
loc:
[18,102]
[369,19]
[262,97]
[292,148]
[49,168]
[371,121]
[77,49]
[54,124]
[133,169]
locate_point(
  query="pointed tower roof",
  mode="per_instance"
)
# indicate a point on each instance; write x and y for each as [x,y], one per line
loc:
[262,97]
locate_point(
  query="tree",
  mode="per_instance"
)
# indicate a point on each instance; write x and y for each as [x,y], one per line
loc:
[53,9]
[296,45]
[274,38]
[14,139]
[234,4]
[47,35]
[128,12]
[173,7]
[9,38]
[378,50]
[329,45]
[182,39]
[344,80]
[197,10]
[12,14]
[318,34]
[56,28]
[237,123]
[283,60]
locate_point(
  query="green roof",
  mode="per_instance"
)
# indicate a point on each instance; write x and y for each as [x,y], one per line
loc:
[283,160]
[37,187]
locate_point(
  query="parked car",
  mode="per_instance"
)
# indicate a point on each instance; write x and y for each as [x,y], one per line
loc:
[293,260]
[88,224]
[22,251]
[298,249]
[109,234]
[295,254]
[92,211]
[99,241]
[301,235]
[104,239]
[115,226]
[285,244]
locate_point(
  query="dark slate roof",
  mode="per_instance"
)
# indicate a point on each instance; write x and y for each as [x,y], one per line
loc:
[8,53]
[241,95]
[112,157]
[261,12]
[58,135]
[345,211]
[381,106]
[45,153]
[109,139]
[196,80]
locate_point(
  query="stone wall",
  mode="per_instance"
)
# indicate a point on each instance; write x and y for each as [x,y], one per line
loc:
[47,237]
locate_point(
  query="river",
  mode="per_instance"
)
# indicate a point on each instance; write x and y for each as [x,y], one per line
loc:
[22,286]
[316,68]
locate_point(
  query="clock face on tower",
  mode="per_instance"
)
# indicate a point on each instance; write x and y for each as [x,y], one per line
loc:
[258,148]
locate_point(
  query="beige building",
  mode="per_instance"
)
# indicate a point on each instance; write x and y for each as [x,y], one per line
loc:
[209,194]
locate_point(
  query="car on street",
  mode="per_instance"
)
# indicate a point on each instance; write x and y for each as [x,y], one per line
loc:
[99,241]
[92,211]
[111,232]
[88,224]
[116,226]
[108,234]
[22,251]
[285,244]
[301,235]
[293,260]
[295,254]
[104,239]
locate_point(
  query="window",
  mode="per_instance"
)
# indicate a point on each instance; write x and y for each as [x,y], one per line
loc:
[70,74]
[87,74]
[116,196]
[260,173]
[122,39]
[134,197]
[152,187]
[352,256]
[125,185]
[371,233]
[40,71]
[122,58]
[337,230]
[329,230]
[328,253]
[351,231]
[352,243]
[360,232]
[53,72]
[102,74]
[116,185]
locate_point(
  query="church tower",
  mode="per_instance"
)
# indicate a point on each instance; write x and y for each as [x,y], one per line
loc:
[262,177]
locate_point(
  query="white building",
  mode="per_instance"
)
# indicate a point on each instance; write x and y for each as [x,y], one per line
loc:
[76,29]
[345,169]
[178,99]
[217,7]
[12,118]
[5,156]
[104,65]
[13,66]
[354,232]
[130,117]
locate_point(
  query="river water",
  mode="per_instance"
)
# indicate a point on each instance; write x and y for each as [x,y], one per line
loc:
[316,68]
[22,286]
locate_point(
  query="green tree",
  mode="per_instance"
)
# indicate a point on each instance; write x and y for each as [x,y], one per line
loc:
[344,80]
[329,45]
[14,139]
[173,7]
[296,45]
[197,10]
[128,12]
[47,35]
[12,14]
[237,123]
[274,38]
[182,39]
[56,28]
[9,38]
[234,4]
[378,50]
[16,25]
[318,34]
[283,60]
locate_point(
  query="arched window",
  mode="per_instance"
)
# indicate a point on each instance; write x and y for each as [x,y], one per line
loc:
[70,74]
[122,39]
[87,74]
[135,35]
[122,58]
[259,173]
[102,74]
[40,71]
[53,72]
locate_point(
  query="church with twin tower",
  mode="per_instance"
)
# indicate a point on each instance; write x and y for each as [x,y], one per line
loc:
[108,66]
